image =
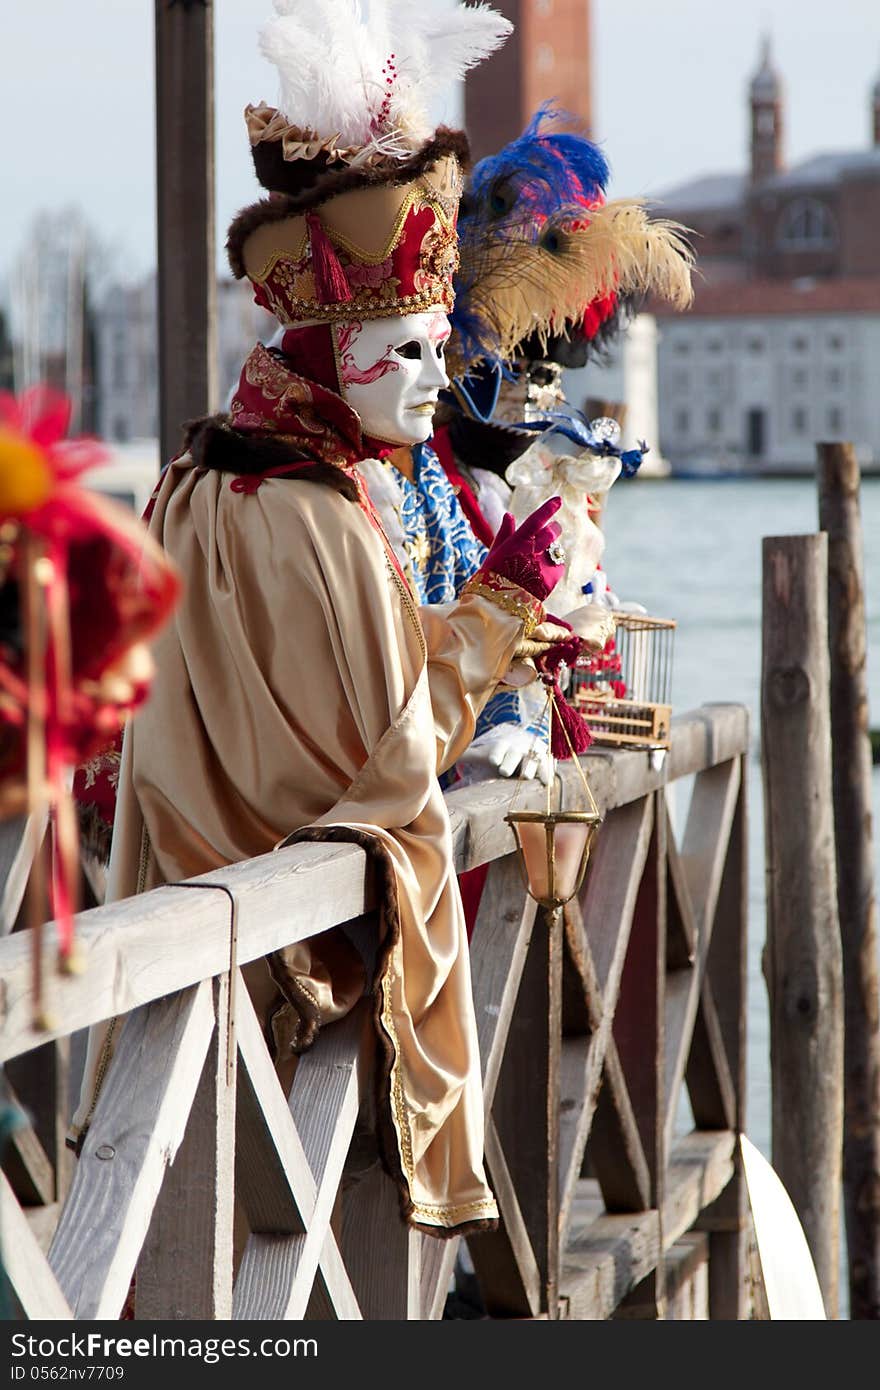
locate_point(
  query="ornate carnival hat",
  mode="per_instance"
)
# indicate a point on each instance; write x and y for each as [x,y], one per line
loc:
[544,256]
[360,221]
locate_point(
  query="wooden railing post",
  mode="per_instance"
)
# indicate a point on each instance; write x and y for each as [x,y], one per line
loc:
[382,1254]
[727,1218]
[856,898]
[524,1135]
[185,1269]
[803,958]
[639,1035]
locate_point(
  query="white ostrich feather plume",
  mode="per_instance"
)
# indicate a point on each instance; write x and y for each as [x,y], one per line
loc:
[332,58]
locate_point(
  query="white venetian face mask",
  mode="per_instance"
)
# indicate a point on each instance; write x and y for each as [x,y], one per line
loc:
[392,372]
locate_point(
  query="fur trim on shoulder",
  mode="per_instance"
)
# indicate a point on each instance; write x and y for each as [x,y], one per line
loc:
[290,194]
[213,443]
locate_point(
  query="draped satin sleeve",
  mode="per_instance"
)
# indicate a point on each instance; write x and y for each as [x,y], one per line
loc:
[470,648]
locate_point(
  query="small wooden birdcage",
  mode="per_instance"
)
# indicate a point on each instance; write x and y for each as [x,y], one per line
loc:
[625,693]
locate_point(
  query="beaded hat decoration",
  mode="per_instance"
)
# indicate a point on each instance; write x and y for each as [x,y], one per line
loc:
[361,217]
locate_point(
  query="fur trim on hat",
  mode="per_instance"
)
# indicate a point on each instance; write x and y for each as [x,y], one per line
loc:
[290,193]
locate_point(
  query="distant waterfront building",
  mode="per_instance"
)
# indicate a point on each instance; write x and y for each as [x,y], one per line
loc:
[626,377]
[126,332]
[782,346]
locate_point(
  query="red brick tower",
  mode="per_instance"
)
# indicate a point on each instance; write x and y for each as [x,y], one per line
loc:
[547,56]
[765,98]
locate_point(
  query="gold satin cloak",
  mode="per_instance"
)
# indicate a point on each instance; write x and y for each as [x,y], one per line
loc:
[300,686]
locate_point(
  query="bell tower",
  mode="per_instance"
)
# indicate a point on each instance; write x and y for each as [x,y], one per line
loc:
[547,57]
[765,99]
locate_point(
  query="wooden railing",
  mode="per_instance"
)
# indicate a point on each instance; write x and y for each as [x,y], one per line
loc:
[588,1031]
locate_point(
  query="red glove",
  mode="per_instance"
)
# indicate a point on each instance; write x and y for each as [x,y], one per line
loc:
[519,553]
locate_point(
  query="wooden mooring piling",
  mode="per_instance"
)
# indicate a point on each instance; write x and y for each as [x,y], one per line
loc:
[839,517]
[802,959]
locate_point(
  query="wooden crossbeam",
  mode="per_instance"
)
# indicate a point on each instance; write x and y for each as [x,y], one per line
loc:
[602,929]
[137,1127]
[611,889]
[25,1162]
[615,1146]
[681,929]
[437,1263]
[278,1269]
[35,1285]
[703,855]
[185,1269]
[21,838]
[501,941]
[607,1256]
[382,1254]
[709,1081]
[504,1260]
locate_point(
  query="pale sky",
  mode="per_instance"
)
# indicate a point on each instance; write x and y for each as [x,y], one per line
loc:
[76,112]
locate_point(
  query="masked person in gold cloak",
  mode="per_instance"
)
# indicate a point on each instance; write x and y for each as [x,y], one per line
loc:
[301,693]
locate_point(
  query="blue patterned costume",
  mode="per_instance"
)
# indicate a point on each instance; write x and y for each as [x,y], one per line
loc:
[442,552]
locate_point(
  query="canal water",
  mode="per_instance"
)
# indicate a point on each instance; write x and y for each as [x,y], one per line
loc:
[691,550]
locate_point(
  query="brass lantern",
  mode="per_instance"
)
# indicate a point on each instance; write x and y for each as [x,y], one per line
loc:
[553,847]
[553,850]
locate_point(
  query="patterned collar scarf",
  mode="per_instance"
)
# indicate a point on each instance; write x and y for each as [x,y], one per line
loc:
[294,396]
[274,400]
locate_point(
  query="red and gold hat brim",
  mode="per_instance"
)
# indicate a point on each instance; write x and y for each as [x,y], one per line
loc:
[379,245]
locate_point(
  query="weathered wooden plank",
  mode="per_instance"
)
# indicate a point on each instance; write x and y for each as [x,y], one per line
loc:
[20,839]
[638,1019]
[381,1253]
[726,973]
[704,737]
[498,953]
[639,1016]
[137,1127]
[529,1085]
[505,1264]
[437,1263]
[42,1222]
[277,1271]
[31,1175]
[608,897]
[707,831]
[35,1285]
[803,957]
[839,515]
[709,1082]
[41,1081]
[703,856]
[608,1256]
[340,1305]
[681,940]
[185,1269]
[615,1148]
[130,949]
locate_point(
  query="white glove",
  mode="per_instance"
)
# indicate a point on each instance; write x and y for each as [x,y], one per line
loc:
[508,750]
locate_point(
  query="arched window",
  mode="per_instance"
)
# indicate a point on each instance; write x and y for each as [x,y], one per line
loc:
[806,225]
